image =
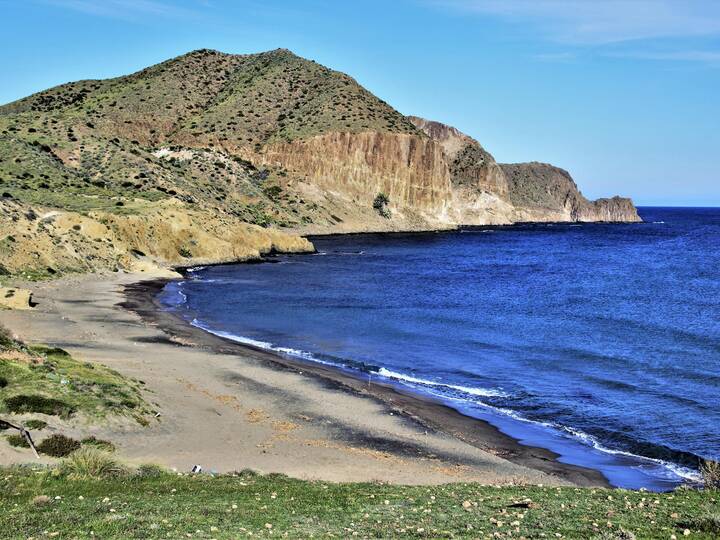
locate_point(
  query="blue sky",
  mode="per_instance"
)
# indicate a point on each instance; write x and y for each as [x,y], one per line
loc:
[623,94]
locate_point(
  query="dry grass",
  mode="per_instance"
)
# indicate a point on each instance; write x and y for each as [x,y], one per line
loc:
[6,339]
[91,463]
[710,471]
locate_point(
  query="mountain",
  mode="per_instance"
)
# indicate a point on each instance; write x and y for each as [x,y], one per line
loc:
[214,157]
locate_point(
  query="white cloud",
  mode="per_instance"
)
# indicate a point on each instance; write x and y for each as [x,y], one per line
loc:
[598,22]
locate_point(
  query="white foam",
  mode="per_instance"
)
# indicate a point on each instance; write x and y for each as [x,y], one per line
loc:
[674,469]
[182,297]
[265,345]
[677,470]
[484,392]
[232,337]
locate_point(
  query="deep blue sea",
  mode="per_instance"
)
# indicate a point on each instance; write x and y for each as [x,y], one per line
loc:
[600,342]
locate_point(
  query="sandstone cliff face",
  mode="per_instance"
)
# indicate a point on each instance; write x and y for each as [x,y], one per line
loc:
[470,165]
[442,180]
[411,170]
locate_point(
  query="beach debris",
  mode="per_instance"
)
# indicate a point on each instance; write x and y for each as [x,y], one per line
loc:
[23,432]
[196,469]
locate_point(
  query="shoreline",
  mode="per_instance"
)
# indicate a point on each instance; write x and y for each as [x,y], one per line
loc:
[429,414]
[229,408]
[314,233]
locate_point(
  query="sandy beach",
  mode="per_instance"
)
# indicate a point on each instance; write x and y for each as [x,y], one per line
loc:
[228,407]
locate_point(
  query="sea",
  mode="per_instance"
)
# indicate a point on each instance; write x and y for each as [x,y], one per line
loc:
[600,342]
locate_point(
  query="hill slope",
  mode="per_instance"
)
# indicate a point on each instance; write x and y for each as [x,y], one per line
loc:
[169,159]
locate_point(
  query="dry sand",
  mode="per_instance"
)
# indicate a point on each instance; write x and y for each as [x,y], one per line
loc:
[227,407]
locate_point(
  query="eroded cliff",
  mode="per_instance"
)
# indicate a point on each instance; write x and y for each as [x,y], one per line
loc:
[411,170]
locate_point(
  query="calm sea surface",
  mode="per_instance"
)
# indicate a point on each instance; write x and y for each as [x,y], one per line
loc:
[600,342]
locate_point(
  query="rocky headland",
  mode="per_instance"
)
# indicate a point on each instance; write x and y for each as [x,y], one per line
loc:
[213,157]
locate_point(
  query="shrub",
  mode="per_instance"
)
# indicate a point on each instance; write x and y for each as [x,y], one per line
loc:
[150,470]
[3,382]
[99,444]
[38,404]
[91,463]
[380,205]
[58,446]
[35,424]
[710,471]
[272,192]
[17,441]
[6,339]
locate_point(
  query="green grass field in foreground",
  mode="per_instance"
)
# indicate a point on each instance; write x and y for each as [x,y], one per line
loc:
[43,503]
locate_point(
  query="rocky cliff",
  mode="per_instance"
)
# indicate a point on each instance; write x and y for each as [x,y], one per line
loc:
[216,157]
[411,170]
[485,192]
[542,192]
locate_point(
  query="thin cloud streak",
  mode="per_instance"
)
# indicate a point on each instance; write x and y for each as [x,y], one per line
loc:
[590,22]
[678,56]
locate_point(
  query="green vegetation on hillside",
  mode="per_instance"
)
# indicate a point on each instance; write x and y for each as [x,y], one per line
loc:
[48,381]
[181,129]
[539,185]
[152,504]
[380,204]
